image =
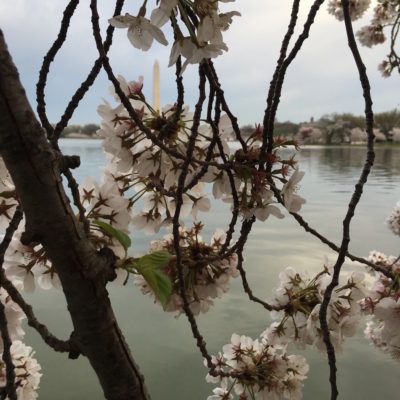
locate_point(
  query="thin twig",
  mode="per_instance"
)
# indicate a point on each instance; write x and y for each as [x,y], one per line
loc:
[270,112]
[334,247]
[268,134]
[201,344]
[88,82]
[246,228]
[74,187]
[235,198]
[213,77]
[48,59]
[353,202]
[54,134]
[304,224]
[62,346]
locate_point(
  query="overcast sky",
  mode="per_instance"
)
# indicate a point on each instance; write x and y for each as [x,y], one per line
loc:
[322,80]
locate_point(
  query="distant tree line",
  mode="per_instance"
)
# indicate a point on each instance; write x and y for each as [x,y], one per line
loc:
[338,128]
[329,129]
[88,129]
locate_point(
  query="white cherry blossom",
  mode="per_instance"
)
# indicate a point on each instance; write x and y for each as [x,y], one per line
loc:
[141,31]
[221,393]
[292,201]
[8,202]
[14,315]
[393,220]
[161,15]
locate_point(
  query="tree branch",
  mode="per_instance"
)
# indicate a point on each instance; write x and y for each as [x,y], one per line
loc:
[353,202]
[10,374]
[83,271]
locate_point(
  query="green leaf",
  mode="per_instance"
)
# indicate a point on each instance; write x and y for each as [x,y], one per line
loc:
[158,259]
[149,266]
[122,237]
[159,282]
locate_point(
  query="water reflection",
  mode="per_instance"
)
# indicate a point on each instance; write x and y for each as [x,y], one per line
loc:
[164,347]
[334,162]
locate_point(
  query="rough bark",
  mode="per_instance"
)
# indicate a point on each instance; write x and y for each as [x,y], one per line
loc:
[35,170]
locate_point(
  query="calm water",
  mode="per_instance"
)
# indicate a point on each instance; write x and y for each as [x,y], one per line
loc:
[163,345]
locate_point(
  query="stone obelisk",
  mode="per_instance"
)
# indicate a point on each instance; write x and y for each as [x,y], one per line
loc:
[156,86]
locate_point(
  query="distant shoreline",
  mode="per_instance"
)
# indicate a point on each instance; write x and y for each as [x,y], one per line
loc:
[77,135]
[354,144]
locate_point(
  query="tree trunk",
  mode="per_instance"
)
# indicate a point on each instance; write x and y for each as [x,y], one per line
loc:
[35,169]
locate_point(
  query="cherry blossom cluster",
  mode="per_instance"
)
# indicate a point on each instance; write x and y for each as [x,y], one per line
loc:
[29,264]
[259,370]
[151,171]
[299,297]
[137,164]
[383,306]
[309,135]
[197,25]
[104,201]
[358,135]
[385,17]
[357,8]
[206,274]
[393,220]
[385,14]
[371,35]
[27,375]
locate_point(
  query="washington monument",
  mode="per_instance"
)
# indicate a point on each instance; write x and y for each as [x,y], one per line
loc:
[156,86]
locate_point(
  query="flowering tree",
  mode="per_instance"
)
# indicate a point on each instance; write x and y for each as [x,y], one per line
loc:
[166,159]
